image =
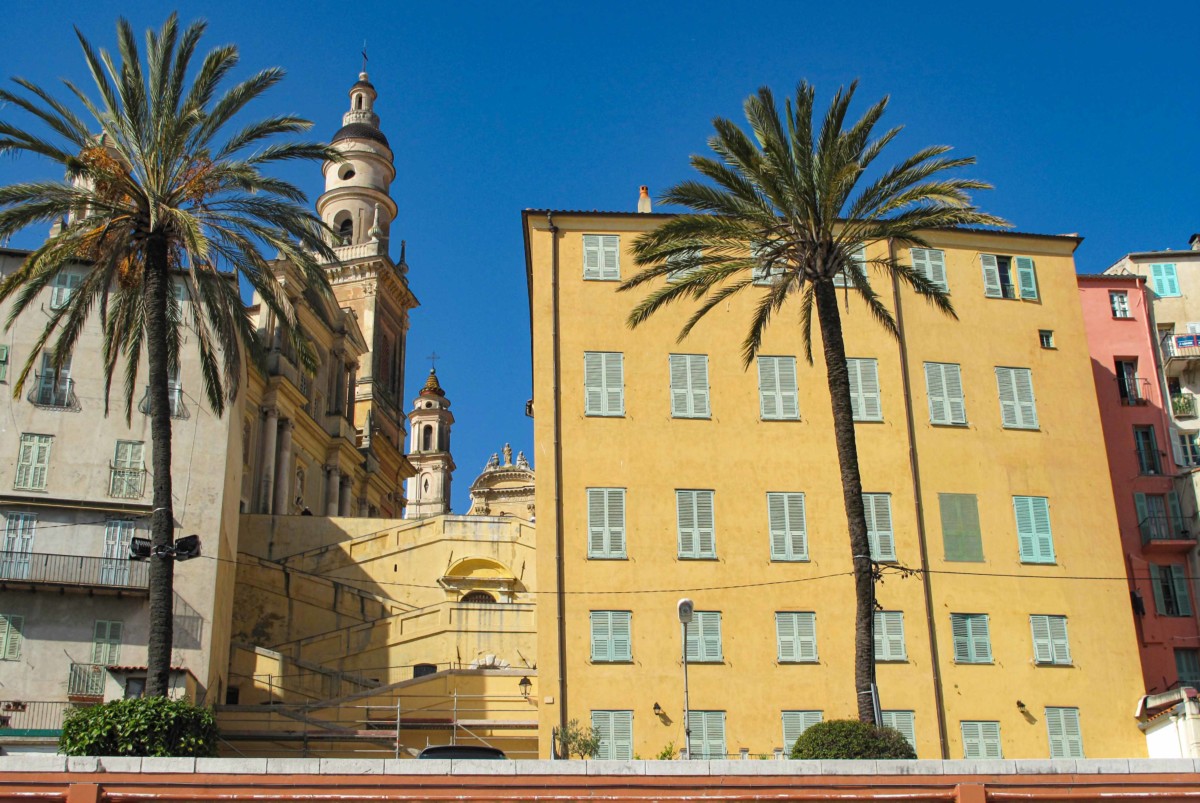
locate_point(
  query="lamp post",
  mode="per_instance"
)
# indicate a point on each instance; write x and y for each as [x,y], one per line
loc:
[686,610]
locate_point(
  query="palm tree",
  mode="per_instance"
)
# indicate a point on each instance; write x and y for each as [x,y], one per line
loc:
[787,215]
[159,192]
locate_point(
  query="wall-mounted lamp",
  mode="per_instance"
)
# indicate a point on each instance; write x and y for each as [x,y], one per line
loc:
[525,685]
[1021,707]
[658,712]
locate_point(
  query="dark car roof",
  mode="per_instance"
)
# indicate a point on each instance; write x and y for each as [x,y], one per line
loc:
[462,751]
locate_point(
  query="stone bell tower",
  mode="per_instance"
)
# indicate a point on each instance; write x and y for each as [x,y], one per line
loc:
[429,452]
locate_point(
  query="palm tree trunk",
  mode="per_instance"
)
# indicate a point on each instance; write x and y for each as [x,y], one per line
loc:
[856,517]
[162,522]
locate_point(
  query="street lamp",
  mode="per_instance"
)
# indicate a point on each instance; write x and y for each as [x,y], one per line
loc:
[686,610]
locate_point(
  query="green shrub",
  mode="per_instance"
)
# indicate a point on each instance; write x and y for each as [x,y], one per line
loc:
[153,726]
[849,738]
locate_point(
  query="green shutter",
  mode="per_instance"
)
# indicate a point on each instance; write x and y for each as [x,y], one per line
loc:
[680,391]
[1178,524]
[777,388]
[878,508]
[1059,643]
[889,636]
[961,535]
[1034,537]
[864,389]
[1043,645]
[796,723]
[961,633]
[689,385]
[694,517]
[991,276]
[931,263]
[1164,279]
[106,642]
[1062,726]
[1027,277]
[601,257]
[796,637]
[601,635]
[1156,584]
[606,522]
[903,721]
[786,522]
[593,383]
[3,363]
[11,636]
[705,534]
[1179,583]
[981,740]
[972,641]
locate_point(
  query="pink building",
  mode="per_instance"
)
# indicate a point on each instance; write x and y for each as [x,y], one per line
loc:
[1156,520]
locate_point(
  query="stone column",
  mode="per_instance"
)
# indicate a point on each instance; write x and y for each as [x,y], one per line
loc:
[344,497]
[283,469]
[267,460]
[351,392]
[333,486]
[338,402]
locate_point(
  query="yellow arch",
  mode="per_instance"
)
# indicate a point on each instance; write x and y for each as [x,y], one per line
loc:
[480,568]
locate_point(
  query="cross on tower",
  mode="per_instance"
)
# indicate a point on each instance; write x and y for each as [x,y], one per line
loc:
[364,55]
[433,358]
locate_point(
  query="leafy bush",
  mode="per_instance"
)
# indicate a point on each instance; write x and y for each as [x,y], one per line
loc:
[578,740]
[849,738]
[154,726]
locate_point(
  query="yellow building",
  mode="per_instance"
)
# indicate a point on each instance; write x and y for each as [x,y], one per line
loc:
[671,471]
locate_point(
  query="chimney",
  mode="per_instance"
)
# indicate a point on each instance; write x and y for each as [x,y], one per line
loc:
[644,200]
[1195,242]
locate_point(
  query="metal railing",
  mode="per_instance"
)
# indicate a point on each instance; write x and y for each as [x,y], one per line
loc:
[74,570]
[174,399]
[1158,527]
[1183,405]
[1134,391]
[1149,461]
[21,718]
[86,680]
[56,395]
[126,483]
[1181,346]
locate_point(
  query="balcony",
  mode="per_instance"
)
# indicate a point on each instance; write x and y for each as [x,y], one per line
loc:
[86,682]
[174,399]
[27,719]
[50,393]
[1179,352]
[72,571]
[1134,391]
[1183,405]
[1159,535]
[126,483]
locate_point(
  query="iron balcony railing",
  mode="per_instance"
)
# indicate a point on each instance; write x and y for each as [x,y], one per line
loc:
[86,680]
[174,399]
[54,395]
[21,718]
[126,483]
[74,570]
[1181,346]
[1183,405]
[1157,527]
[1134,390]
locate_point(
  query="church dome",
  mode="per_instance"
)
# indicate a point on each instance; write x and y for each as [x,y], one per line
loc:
[360,131]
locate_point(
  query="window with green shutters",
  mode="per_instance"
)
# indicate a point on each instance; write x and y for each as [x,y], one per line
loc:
[1027,278]
[1170,587]
[606,522]
[611,639]
[878,508]
[889,636]
[603,383]
[694,516]
[685,264]
[1018,409]
[786,521]
[62,287]
[858,261]
[1153,522]
[931,264]
[1035,542]
[1187,666]
[1050,643]
[1163,280]
[981,739]
[704,638]
[1009,277]
[615,730]
[961,536]
[972,642]
[602,257]
[106,642]
[943,383]
[1147,450]
[33,462]
[903,721]
[3,363]
[707,738]
[689,386]
[796,636]
[777,393]
[1062,726]
[864,389]
[19,530]
[796,723]
[11,636]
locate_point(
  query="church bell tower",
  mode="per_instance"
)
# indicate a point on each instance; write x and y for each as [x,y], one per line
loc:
[429,452]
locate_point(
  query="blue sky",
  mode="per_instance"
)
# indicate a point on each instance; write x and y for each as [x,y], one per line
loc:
[1086,118]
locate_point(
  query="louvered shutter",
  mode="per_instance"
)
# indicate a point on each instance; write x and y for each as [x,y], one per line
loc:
[698,383]
[903,721]
[788,651]
[610,261]
[41,461]
[680,407]
[1178,525]
[602,729]
[768,387]
[3,363]
[991,276]
[620,735]
[614,383]
[1160,604]
[1062,726]
[878,508]
[795,723]
[990,736]
[960,527]
[981,638]
[1165,279]
[606,522]
[106,642]
[1006,384]
[1026,406]
[1043,647]
[956,404]
[25,462]
[936,271]
[1179,584]
[1059,644]
[620,638]
[972,737]
[705,535]
[935,387]
[593,383]
[889,636]
[712,735]
[864,389]
[1034,537]
[961,631]
[1027,277]
[601,635]
[615,521]
[685,514]
[689,385]
[858,259]
[1143,514]
[786,521]
[710,635]
[11,636]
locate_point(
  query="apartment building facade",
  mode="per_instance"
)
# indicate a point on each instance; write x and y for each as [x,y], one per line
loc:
[671,470]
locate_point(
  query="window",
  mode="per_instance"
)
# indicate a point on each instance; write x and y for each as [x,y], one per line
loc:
[1050,644]
[611,639]
[878,508]
[694,515]
[1170,585]
[689,386]
[931,264]
[179,293]
[19,529]
[118,533]
[1187,666]
[477,598]
[1046,338]
[961,536]
[3,363]
[686,264]
[603,383]
[175,392]
[796,723]
[777,392]
[346,232]
[770,265]
[1189,449]
[1128,386]
[606,522]
[704,638]
[858,262]
[1000,280]
[615,731]
[943,383]
[106,642]
[54,386]
[11,636]
[1163,280]
[1153,522]
[1147,450]
[972,642]
[789,532]
[707,738]
[889,636]
[864,389]
[1118,300]
[903,721]
[981,739]
[796,636]
[1034,539]
[62,287]
[1017,407]
[601,257]
[135,687]
[33,462]
[1062,725]
[127,478]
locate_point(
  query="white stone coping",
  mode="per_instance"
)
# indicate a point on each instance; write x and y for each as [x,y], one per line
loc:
[33,762]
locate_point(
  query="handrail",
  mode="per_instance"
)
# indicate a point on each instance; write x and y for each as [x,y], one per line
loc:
[57,395]
[76,570]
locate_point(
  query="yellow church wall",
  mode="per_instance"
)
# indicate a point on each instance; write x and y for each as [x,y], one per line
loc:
[741,457]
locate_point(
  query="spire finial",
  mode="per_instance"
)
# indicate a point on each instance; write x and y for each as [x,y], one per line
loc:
[364,55]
